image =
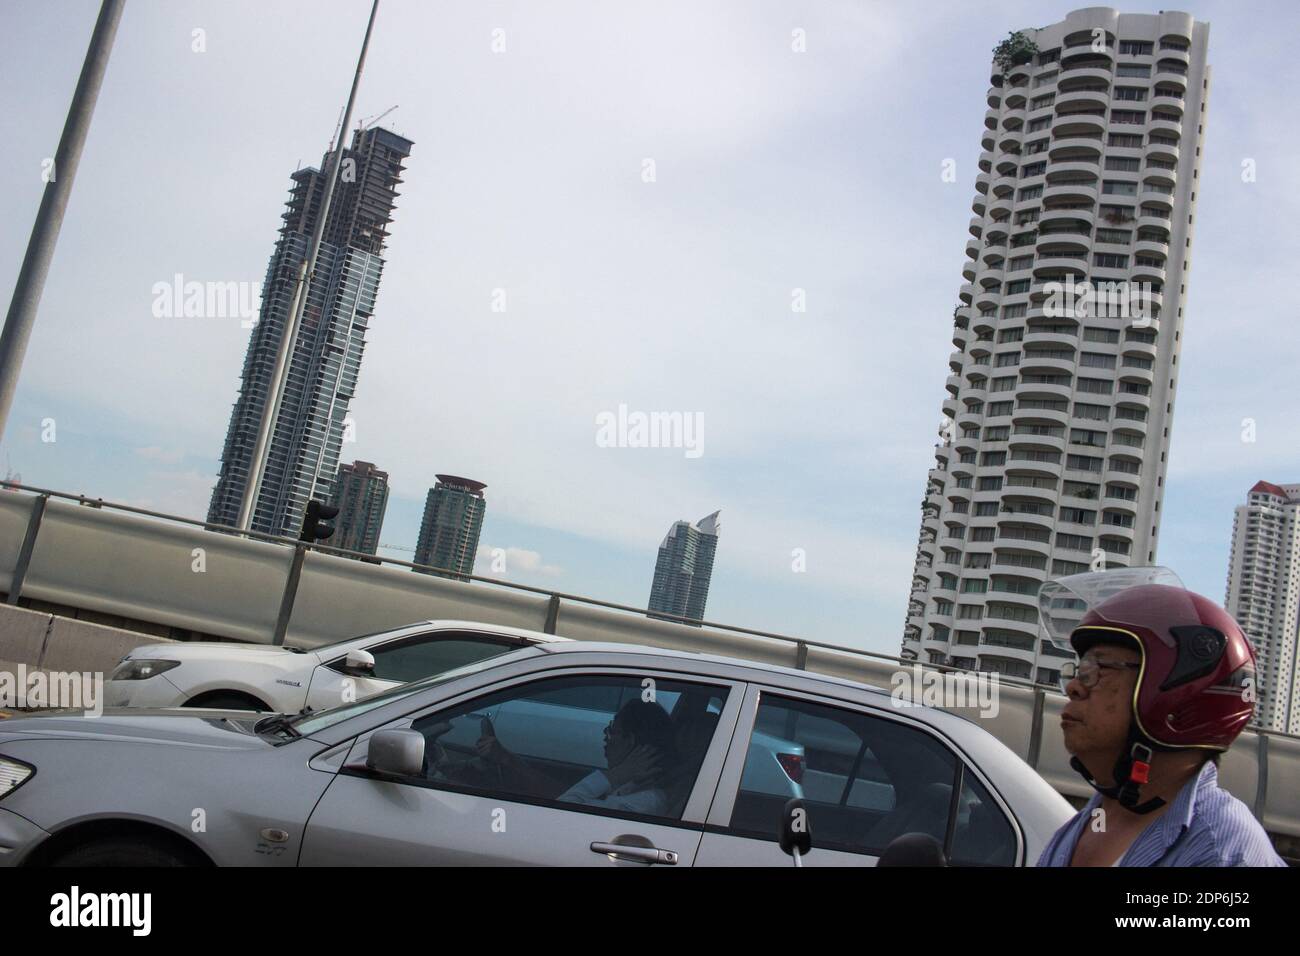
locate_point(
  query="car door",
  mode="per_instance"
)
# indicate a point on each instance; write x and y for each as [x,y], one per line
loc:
[400,661]
[865,778]
[548,802]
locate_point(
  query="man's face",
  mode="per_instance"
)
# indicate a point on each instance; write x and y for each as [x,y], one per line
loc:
[618,744]
[1095,722]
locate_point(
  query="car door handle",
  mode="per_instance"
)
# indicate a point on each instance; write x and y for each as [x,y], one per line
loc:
[643,854]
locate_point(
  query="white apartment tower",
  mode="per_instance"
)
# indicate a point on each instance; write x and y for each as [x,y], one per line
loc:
[1264,597]
[1057,422]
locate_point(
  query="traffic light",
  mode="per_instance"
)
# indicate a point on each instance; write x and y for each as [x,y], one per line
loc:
[313,522]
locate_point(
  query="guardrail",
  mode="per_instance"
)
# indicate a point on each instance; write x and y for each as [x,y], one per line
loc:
[160,569]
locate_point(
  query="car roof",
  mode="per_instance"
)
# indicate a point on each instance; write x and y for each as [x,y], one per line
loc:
[775,670]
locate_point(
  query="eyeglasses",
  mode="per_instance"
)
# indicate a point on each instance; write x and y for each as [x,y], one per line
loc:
[1088,671]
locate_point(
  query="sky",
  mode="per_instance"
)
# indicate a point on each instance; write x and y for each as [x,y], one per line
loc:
[651,190]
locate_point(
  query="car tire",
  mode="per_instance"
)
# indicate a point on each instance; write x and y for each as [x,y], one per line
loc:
[227,701]
[123,851]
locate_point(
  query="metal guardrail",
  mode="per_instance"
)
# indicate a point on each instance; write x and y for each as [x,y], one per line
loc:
[100,556]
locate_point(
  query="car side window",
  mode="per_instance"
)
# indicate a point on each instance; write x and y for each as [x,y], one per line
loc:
[864,780]
[427,655]
[589,742]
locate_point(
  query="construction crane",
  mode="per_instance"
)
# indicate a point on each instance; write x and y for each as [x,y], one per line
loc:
[375,119]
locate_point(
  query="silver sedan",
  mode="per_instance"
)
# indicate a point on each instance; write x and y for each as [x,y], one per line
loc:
[565,753]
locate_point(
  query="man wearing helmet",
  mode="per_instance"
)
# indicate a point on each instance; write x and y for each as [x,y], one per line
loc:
[1163,686]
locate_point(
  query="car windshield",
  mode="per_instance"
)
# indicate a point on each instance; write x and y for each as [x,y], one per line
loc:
[309,724]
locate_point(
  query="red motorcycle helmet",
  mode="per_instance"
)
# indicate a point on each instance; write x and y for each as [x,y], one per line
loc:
[1196,678]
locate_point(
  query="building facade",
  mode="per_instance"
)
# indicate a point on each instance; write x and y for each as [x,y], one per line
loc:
[684,568]
[1057,421]
[361,495]
[1264,597]
[450,528]
[307,435]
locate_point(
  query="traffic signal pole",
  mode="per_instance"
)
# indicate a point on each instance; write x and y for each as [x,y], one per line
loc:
[49,218]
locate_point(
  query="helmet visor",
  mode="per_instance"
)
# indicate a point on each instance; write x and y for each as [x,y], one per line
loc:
[1063,602]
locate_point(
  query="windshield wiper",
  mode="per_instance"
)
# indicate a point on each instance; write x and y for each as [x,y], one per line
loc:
[276,723]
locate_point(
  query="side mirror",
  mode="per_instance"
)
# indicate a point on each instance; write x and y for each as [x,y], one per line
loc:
[796,834]
[913,849]
[359,663]
[396,753]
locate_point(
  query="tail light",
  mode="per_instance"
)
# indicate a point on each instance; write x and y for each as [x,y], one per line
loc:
[792,764]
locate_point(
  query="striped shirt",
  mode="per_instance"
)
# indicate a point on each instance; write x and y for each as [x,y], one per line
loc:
[1205,826]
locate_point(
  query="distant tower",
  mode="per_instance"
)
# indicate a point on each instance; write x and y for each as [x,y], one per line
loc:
[307,435]
[453,519]
[1264,597]
[361,495]
[684,567]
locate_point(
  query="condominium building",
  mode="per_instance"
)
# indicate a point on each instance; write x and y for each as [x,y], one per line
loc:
[684,568]
[361,495]
[453,520]
[1057,420]
[1264,597]
[307,434]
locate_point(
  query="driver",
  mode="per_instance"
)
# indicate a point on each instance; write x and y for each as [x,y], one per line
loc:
[639,755]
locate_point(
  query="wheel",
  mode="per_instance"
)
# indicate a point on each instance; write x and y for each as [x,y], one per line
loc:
[227,700]
[122,851]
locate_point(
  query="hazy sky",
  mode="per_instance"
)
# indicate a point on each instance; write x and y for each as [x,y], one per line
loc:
[774,171]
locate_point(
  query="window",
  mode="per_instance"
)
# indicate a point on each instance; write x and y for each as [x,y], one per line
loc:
[1094,412]
[1073,542]
[1133,69]
[1123,164]
[1033,169]
[553,736]
[1005,359]
[866,781]
[1014,288]
[1128,117]
[985,509]
[1125,140]
[990,483]
[1082,463]
[974,586]
[1096,360]
[1097,386]
[1039,102]
[1078,516]
[1092,334]
[1135,93]
[999,408]
[1084,436]
[1038,124]
[1030,192]
[425,655]
[1112,187]
[1135,47]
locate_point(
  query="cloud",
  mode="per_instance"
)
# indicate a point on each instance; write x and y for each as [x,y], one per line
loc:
[512,562]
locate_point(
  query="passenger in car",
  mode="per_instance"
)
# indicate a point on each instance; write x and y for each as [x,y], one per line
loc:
[640,755]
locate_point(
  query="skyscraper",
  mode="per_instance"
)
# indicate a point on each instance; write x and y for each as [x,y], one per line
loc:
[1264,597]
[303,454]
[453,519]
[684,567]
[1057,420]
[361,495]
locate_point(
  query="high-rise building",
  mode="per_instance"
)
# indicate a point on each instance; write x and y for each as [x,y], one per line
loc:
[361,495]
[1264,597]
[303,454]
[1058,412]
[684,567]
[453,519]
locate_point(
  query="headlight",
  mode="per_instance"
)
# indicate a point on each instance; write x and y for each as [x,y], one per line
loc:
[13,774]
[142,669]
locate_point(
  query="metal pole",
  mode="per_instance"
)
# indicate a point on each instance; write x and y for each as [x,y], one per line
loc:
[257,464]
[54,203]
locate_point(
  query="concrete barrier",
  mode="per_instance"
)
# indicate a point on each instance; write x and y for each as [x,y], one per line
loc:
[52,643]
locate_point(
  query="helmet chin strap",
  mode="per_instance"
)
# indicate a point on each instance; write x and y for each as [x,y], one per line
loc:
[1133,768]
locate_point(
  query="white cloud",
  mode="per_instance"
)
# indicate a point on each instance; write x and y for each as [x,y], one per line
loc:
[513,562]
